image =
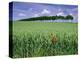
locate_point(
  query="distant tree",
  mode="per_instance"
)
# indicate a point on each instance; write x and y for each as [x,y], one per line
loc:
[69,17]
[59,17]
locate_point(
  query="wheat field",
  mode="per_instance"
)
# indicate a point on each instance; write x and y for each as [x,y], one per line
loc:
[36,39]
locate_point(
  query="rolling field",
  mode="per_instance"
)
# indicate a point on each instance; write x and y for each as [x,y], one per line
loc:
[35,39]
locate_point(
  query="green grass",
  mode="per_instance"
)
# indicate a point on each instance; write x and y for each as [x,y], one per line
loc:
[33,39]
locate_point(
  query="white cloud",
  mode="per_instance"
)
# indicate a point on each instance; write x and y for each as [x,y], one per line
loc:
[45,11]
[21,14]
[59,10]
[72,10]
[75,9]
[71,14]
[60,13]
[35,15]
[30,9]
[19,10]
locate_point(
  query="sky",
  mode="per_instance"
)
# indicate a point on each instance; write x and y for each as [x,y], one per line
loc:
[23,10]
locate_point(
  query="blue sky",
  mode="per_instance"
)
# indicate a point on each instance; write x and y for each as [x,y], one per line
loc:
[22,10]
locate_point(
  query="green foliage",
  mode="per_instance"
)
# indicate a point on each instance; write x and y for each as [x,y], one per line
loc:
[39,44]
[68,17]
[33,39]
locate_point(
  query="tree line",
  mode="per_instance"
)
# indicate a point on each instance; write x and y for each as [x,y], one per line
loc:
[68,17]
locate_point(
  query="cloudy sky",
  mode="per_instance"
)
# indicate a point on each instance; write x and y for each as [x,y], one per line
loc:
[22,10]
